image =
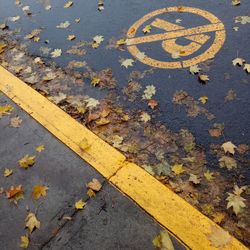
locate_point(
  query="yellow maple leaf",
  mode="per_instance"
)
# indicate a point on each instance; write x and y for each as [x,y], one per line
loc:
[84,144]
[218,217]
[95,81]
[203,99]
[5,110]
[39,191]
[178,169]
[218,237]
[163,241]
[209,175]
[15,122]
[203,78]
[24,241]
[228,162]
[147,29]
[31,222]
[27,161]
[7,172]
[80,204]
[94,185]
[229,147]
[247,67]
[40,148]
[90,193]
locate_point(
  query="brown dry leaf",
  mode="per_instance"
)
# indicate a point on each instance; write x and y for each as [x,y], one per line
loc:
[2,47]
[243,148]
[27,161]
[218,237]
[31,222]
[216,130]
[152,103]
[228,162]
[194,179]
[229,147]
[94,185]
[39,191]
[231,95]
[15,192]
[15,122]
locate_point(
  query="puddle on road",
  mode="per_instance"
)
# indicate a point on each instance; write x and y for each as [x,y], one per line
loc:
[174,131]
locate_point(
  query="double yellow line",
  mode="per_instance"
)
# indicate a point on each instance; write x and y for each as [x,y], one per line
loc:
[171,211]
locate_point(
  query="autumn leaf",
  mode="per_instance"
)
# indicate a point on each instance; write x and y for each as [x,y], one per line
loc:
[40,148]
[228,162]
[247,68]
[97,40]
[229,147]
[242,19]
[216,130]
[91,102]
[127,62]
[95,185]
[147,29]
[235,200]
[121,42]
[209,175]
[235,2]
[145,117]
[163,241]
[27,161]
[194,179]
[152,103]
[56,53]
[203,78]
[90,193]
[71,37]
[7,172]
[15,122]
[95,81]
[15,192]
[5,110]
[218,237]
[39,191]
[31,222]
[24,241]
[149,92]
[238,61]
[178,169]
[68,4]
[203,99]
[80,204]
[63,25]
[194,69]
[84,144]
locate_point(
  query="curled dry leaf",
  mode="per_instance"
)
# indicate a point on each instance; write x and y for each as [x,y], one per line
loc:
[80,204]
[94,185]
[31,222]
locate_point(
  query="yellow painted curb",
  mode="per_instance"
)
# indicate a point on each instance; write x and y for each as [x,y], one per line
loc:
[171,211]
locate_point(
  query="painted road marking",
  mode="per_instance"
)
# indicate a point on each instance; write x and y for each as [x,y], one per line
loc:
[197,36]
[171,211]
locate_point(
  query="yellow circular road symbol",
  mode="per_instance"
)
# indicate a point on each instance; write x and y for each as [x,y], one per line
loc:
[169,33]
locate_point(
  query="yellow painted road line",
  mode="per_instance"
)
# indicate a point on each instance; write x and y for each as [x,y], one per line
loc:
[176,34]
[171,211]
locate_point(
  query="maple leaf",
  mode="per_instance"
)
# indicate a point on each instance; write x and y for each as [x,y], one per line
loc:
[203,99]
[235,200]
[39,191]
[238,61]
[145,117]
[140,55]
[194,178]
[90,193]
[95,185]
[117,141]
[80,204]
[218,237]
[56,53]
[95,81]
[40,148]
[5,110]
[242,19]
[194,69]
[247,68]
[98,39]
[71,37]
[84,144]
[24,241]
[163,241]
[149,92]
[217,130]
[152,103]
[33,34]
[57,99]
[15,122]
[68,4]
[15,193]
[77,20]
[229,147]
[27,161]
[235,2]
[91,102]
[63,25]
[7,172]
[127,62]
[178,169]
[203,78]
[209,175]
[147,29]
[228,162]
[31,222]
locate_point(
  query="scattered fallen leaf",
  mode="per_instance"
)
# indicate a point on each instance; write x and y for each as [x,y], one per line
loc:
[145,117]
[80,204]
[147,29]
[194,179]
[95,81]
[63,25]
[242,19]
[209,175]
[238,61]
[90,193]
[231,95]
[15,192]
[95,185]
[228,162]
[56,53]
[163,241]
[68,4]
[194,69]
[127,62]
[178,169]
[203,99]
[203,78]
[235,2]
[24,241]
[84,144]
[27,161]
[31,222]
[229,147]
[247,68]
[15,122]
[39,191]
[216,130]
[97,40]
[71,37]
[218,237]
[7,172]
[14,18]
[152,103]
[40,148]
[218,217]
[91,102]
[5,110]
[149,92]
